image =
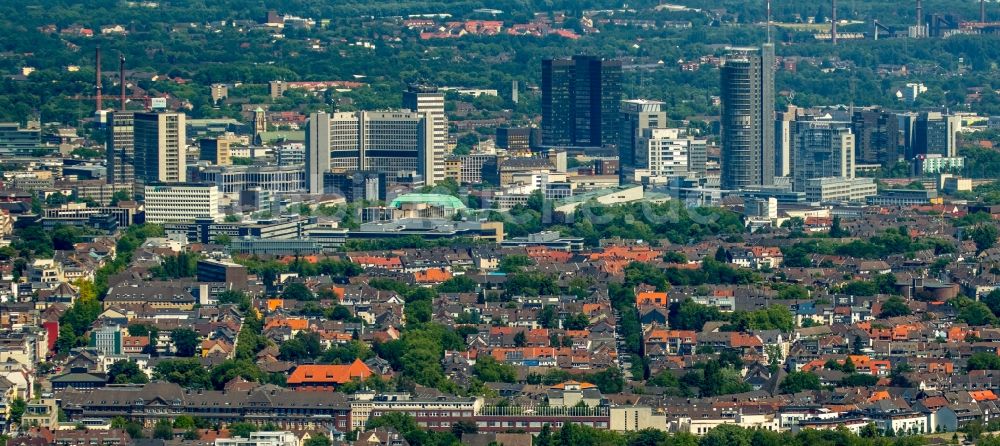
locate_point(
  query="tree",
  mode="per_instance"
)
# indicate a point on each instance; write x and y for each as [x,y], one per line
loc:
[164,430]
[547,317]
[232,368]
[463,427]
[488,369]
[973,312]
[798,381]
[17,409]
[836,231]
[983,361]
[690,315]
[242,429]
[126,372]
[520,340]
[515,263]
[578,321]
[119,196]
[894,306]
[186,342]
[721,255]
[297,291]
[458,284]
[187,373]
[64,237]
[859,380]
[237,297]
[317,440]
[984,236]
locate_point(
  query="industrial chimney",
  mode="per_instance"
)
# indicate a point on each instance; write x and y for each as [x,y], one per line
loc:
[97,83]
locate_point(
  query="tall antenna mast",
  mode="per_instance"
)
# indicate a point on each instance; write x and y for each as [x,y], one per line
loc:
[97,84]
[121,77]
[768,21]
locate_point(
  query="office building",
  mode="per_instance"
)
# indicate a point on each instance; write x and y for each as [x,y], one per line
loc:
[317,151]
[107,339]
[204,230]
[783,154]
[518,139]
[215,151]
[210,270]
[822,149]
[905,197]
[876,135]
[17,140]
[261,439]
[387,142]
[747,96]
[121,148]
[580,102]
[934,163]
[181,202]
[160,147]
[429,101]
[841,189]
[291,154]
[936,134]
[231,180]
[663,152]
[357,185]
[636,115]
[468,169]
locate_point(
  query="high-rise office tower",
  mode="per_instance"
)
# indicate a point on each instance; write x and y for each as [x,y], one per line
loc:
[747,95]
[160,147]
[876,135]
[386,142]
[783,154]
[121,148]
[935,134]
[823,149]
[581,101]
[637,115]
[317,151]
[425,99]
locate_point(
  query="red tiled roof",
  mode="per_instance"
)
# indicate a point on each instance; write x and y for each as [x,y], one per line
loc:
[329,374]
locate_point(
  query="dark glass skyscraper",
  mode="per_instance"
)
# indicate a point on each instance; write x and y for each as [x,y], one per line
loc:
[748,117]
[580,101]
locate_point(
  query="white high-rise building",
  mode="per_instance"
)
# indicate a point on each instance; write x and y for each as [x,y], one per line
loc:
[421,98]
[181,202]
[666,152]
[160,146]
